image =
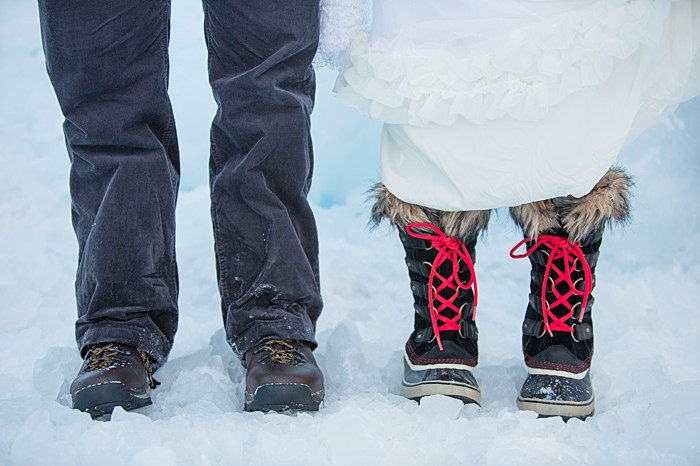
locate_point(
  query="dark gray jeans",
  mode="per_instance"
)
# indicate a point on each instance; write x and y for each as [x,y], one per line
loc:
[108,63]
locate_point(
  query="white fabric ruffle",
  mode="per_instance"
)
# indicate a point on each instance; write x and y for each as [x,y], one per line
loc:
[529,71]
[492,104]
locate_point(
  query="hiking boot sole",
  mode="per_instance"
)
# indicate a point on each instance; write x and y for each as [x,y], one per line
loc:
[283,397]
[100,400]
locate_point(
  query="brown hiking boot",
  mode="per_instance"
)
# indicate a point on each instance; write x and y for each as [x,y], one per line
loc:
[112,375]
[282,375]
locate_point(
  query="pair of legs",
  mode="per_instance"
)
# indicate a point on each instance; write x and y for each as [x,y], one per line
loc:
[562,241]
[108,62]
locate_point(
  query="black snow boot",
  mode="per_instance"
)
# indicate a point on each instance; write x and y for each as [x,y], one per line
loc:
[562,241]
[442,351]
[558,328]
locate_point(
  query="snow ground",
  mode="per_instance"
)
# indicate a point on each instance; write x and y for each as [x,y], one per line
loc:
[645,372]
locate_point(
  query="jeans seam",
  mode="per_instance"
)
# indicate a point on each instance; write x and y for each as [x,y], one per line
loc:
[168,135]
[223,272]
[164,49]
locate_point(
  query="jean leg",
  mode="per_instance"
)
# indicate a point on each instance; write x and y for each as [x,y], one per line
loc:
[260,54]
[108,63]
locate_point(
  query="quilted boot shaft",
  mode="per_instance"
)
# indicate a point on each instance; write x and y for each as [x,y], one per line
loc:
[558,326]
[452,311]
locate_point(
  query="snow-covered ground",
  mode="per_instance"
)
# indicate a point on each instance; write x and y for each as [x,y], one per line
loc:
[646,371]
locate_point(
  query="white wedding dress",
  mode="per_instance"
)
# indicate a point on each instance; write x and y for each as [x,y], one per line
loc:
[493,103]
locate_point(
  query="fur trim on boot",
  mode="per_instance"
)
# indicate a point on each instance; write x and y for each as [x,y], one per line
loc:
[607,203]
[463,225]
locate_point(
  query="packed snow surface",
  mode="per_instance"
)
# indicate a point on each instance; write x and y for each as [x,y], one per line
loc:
[645,371]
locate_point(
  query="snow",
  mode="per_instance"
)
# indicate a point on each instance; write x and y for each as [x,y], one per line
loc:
[645,371]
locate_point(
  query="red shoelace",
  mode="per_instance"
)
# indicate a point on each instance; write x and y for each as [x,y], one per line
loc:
[569,253]
[448,249]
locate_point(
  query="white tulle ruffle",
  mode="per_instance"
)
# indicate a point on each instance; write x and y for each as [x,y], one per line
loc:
[488,104]
[521,73]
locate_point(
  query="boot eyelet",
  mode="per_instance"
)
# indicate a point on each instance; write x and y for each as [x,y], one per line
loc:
[578,265]
[461,327]
[575,307]
[573,334]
